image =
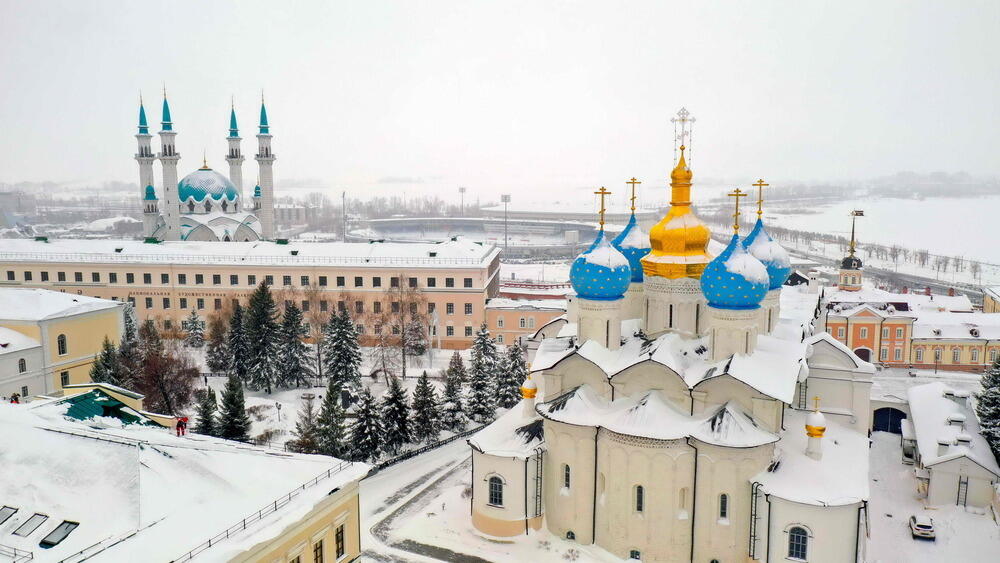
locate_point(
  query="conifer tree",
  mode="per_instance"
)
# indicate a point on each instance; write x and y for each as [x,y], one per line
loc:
[330,432]
[456,369]
[988,407]
[150,343]
[205,413]
[510,377]
[194,335]
[342,353]
[293,356]
[234,423]
[237,346]
[215,353]
[396,417]
[262,331]
[481,402]
[306,433]
[453,416]
[426,412]
[367,431]
[107,366]
[129,357]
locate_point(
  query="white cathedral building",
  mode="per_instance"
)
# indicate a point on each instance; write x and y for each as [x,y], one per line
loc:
[675,414]
[204,205]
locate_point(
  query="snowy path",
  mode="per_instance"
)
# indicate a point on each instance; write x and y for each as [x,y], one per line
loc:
[962,535]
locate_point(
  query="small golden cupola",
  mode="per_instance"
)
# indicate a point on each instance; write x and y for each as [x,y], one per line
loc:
[815,429]
[679,241]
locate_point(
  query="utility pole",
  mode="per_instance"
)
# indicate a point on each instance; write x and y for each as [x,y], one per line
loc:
[505,198]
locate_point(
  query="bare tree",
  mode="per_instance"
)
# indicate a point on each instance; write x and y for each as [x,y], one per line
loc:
[403,319]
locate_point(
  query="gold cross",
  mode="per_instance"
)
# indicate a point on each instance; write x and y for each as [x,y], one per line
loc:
[816,401]
[737,193]
[760,196]
[602,192]
[633,182]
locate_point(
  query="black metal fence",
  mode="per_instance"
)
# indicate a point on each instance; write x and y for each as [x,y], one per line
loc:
[413,453]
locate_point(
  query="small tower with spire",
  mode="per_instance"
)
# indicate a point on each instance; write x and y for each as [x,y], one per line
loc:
[150,212]
[168,157]
[235,155]
[265,161]
[145,157]
[850,266]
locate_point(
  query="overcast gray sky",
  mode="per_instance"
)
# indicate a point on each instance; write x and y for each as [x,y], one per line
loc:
[511,96]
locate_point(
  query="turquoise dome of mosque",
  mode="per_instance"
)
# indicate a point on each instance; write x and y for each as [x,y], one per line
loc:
[601,273]
[770,253]
[204,183]
[735,279]
[633,243]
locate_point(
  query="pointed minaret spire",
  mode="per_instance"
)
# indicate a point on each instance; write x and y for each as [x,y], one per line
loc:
[143,125]
[234,131]
[265,162]
[167,124]
[264,128]
[168,156]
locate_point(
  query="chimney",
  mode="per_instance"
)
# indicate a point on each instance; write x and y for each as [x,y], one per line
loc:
[943,445]
[951,292]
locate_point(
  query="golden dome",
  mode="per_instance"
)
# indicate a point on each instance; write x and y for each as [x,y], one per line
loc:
[679,242]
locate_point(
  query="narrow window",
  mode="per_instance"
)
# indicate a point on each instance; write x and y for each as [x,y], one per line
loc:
[22,366]
[61,345]
[496,491]
[318,552]
[640,498]
[566,480]
[499,322]
[798,543]
[920,354]
[635,554]
[339,539]
[955,355]
[723,506]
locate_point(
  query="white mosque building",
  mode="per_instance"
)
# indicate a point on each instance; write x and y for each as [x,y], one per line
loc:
[680,415]
[204,205]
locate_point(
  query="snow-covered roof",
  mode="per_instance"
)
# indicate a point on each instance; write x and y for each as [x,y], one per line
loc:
[930,410]
[511,435]
[457,252]
[772,369]
[840,477]
[140,491]
[957,326]
[13,341]
[527,304]
[33,304]
[915,301]
[861,365]
[651,415]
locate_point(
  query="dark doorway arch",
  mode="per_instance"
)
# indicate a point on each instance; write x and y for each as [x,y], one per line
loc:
[888,419]
[863,353]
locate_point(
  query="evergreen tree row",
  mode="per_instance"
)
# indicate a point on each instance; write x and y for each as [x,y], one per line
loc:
[988,407]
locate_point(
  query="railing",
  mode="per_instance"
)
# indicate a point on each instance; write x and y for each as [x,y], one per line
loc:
[413,453]
[267,510]
[16,555]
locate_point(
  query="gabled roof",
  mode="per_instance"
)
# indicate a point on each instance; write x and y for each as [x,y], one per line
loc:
[929,413]
[32,304]
[13,341]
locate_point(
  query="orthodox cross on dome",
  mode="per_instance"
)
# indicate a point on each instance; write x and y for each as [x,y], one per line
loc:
[737,194]
[683,125]
[602,192]
[816,402]
[633,182]
[760,185]
[854,217]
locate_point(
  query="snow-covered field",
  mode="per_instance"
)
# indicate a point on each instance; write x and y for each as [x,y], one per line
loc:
[962,535]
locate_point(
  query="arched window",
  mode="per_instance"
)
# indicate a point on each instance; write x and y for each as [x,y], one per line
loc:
[640,498]
[522,323]
[570,535]
[920,354]
[993,356]
[723,506]
[635,554]
[499,322]
[190,207]
[975,355]
[496,491]
[22,366]
[61,344]
[956,355]
[798,543]
[566,476]
[208,206]
[225,205]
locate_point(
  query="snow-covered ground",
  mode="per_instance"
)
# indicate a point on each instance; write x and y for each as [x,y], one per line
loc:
[963,535]
[557,272]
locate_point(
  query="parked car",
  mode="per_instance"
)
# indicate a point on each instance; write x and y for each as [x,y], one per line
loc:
[922,526]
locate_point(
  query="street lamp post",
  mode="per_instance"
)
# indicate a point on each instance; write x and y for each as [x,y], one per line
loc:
[505,198]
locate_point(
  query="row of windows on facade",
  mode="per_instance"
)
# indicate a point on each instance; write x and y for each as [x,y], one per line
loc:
[234,279]
[798,537]
[306,306]
[897,353]
[523,322]
[319,554]
[863,332]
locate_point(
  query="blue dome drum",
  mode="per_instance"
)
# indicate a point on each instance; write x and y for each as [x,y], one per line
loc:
[735,279]
[770,253]
[601,273]
[633,244]
[204,183]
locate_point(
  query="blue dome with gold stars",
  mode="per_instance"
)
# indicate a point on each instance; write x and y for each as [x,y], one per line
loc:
[601,273]
[735,279]
[770,253]
[633,244]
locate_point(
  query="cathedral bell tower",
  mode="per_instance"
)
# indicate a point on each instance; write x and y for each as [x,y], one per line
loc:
[850,266]
[265,160]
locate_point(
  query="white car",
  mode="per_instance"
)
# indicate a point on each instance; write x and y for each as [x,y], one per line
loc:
[922,526]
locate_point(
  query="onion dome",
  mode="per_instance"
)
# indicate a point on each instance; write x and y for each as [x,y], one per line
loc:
[770,253]
[150,194]
[851,262]
[679,242]
[815,424]
[601,273]
[204,183]
[735,279]
[634,245]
